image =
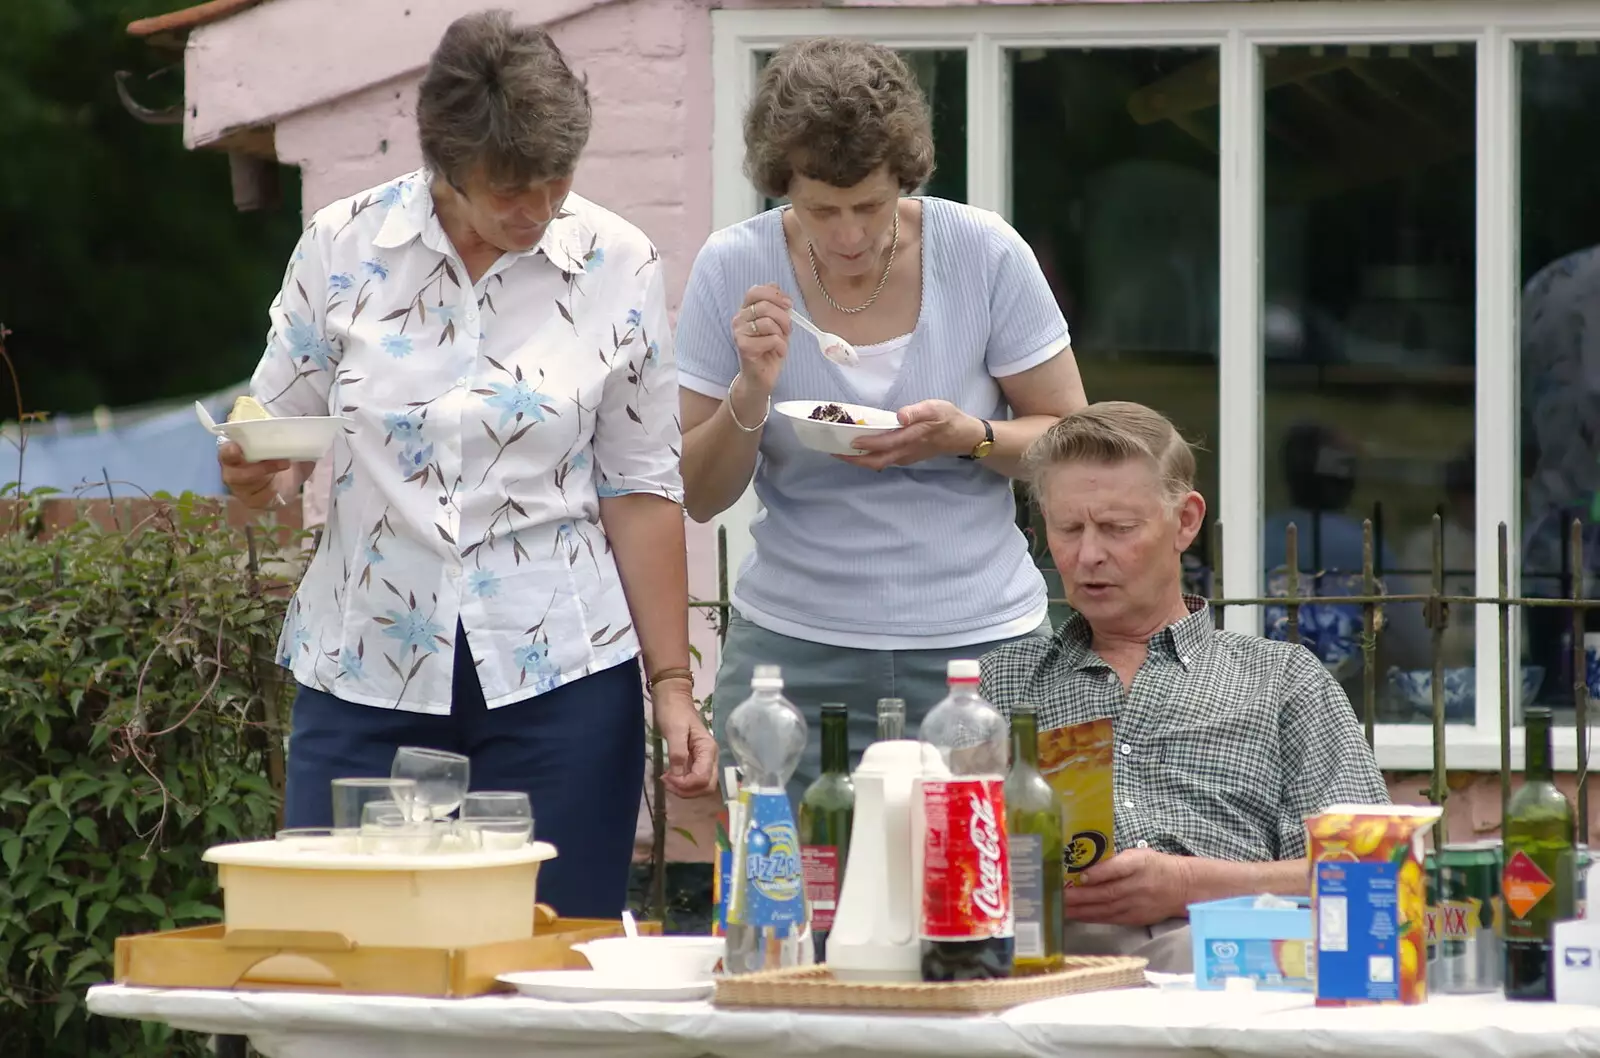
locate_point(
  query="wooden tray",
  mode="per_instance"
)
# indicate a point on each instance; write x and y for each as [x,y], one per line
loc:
[815,987]
[271,960]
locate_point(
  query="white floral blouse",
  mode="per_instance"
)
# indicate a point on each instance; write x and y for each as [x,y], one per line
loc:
[488,420]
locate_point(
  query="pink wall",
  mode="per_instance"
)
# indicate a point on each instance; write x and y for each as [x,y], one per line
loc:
[338,81]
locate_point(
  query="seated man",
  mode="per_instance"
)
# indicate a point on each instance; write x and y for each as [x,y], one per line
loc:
[1224,742]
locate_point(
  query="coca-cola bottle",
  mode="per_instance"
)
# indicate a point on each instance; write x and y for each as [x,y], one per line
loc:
[966,923]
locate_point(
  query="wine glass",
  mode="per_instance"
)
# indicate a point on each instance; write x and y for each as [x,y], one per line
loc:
[441,779]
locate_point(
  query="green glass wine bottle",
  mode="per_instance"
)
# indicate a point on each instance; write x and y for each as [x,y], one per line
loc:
[826,811]
[1538,883]
[1035,822]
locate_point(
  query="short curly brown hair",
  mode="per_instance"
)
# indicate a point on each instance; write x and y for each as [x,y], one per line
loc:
[835,109]
[501,95]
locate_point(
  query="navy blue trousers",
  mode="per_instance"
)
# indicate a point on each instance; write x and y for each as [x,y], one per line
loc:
[577,751]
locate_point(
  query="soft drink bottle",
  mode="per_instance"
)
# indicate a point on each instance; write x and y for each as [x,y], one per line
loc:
[768,920]
[967,928]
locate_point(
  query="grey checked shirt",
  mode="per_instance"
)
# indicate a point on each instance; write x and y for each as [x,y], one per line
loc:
[1224,744]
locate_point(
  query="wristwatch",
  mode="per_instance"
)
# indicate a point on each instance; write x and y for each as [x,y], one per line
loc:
[985,446]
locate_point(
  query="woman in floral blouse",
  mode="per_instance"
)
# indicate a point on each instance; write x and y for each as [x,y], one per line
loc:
[505,536]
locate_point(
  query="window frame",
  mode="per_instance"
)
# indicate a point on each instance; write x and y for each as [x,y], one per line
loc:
[1238,30]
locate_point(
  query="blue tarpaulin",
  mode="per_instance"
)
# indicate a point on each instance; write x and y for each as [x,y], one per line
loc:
[151,450]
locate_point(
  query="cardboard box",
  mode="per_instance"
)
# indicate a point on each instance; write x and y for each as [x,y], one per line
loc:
[1369,900]
[1268,945]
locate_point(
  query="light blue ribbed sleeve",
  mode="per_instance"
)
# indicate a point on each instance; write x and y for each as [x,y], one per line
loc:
[1025,321]
[704,338]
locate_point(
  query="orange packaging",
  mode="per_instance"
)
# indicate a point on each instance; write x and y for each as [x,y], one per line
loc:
[1368,903]
[1076,761]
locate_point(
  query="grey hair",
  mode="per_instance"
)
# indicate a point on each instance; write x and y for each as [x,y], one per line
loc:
[501,95]
[1112,432]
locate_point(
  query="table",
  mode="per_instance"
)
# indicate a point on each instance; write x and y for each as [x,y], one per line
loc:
[1167,1021]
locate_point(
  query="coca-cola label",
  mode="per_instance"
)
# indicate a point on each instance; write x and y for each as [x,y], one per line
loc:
[966,877]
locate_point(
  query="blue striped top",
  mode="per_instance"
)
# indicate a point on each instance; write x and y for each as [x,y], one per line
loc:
[920,553]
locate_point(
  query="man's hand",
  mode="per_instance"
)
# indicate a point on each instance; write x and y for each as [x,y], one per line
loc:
[928,429]
[691,751]
[254,484]
[1136,887]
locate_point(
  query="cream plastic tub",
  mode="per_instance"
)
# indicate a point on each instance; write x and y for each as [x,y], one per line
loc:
[453,900]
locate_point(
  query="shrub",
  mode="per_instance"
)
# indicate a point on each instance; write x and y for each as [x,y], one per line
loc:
[141,715]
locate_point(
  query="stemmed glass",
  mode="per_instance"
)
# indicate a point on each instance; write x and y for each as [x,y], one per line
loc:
[441,780]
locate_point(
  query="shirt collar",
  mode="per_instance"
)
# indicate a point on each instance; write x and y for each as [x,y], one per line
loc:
[1184,641]
[567,242]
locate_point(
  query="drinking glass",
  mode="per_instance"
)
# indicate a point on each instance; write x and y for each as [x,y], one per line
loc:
[389,827]
[315,839]
[351,796]
[496,820]
[440,777]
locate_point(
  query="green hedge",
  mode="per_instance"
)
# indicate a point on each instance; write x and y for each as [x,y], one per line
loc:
[139,720]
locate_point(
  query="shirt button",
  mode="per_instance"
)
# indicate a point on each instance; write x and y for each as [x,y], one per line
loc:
[1144,844]
[1111,677]
[1126,749]
[462,381]
[472,317]
[1127,804]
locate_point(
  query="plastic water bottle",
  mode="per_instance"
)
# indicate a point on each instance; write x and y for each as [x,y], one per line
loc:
[768,919]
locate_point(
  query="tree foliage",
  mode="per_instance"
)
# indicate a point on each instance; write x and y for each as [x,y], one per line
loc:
[125,270]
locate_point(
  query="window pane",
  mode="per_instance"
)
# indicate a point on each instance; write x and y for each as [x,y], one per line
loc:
[1369,334]
[1560,349]
[942,76]
[1114,185]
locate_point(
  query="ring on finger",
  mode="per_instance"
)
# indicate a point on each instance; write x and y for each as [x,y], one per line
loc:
[754,330]
[750,312]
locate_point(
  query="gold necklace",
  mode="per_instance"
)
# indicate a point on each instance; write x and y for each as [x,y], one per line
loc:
[894,245]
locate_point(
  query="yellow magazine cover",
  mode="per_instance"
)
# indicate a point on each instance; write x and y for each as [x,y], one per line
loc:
[1076,761]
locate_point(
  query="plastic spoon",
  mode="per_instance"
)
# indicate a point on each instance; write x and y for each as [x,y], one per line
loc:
[834,347]
[629,926]
[205,419]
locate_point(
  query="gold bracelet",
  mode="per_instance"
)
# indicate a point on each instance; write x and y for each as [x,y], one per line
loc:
[671,674]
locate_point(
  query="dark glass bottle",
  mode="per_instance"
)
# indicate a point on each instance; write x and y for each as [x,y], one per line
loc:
[1538,884]
[1036,821]
[826,811]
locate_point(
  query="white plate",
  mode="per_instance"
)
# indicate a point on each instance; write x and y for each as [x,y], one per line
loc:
[835,438]
[301,438]
[587,986]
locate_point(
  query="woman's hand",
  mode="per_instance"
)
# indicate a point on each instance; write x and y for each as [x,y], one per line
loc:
[253,484]
[691,751]
[761,334]
[928,429]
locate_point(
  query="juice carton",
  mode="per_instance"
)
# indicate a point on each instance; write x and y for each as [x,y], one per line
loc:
[1076,761]
[1368,898]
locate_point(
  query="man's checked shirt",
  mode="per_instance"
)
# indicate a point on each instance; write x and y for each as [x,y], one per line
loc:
[1224,743]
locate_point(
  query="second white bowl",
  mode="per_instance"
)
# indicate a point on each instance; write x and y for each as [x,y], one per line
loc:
[659,959]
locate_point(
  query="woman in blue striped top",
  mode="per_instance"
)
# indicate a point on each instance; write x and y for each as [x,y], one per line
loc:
[869,571]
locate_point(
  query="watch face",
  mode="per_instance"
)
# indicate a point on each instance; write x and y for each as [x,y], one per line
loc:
[983,449]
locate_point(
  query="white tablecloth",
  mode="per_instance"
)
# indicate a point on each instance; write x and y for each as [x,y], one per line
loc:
[1160,1022]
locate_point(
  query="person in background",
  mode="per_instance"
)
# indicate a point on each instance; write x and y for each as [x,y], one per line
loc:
[505,537]
[869,571]
[1224,742]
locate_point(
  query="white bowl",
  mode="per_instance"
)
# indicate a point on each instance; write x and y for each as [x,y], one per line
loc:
[663,959]
[303,438]
[835,438]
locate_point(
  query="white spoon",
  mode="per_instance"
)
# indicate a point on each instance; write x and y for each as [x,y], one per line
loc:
[205,419]
[834,347]
[629,927]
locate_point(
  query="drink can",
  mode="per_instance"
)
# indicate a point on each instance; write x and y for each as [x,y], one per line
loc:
[1465,952]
